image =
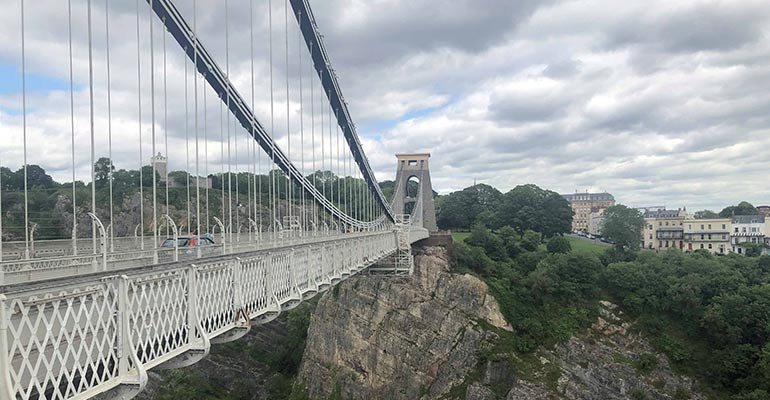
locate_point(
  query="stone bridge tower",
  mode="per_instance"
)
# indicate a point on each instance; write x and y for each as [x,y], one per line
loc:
[415,166]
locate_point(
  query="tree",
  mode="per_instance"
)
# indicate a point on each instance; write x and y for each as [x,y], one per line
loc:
[102,168]
[530,207]
[510,240]
[386,187]
[752,249]
[36,179]
[493,246]
[530,240]
[623,226]
[743,208]
[706,214]
[559,244]
[464,208]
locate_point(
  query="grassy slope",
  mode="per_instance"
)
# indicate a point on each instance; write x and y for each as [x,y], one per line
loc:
[585,246]
[579,245]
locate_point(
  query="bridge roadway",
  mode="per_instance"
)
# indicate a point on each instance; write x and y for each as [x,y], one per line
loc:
[55,259]
[99,333]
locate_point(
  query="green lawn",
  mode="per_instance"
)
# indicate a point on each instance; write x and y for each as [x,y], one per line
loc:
[460,236]
[579,245]
[585,246]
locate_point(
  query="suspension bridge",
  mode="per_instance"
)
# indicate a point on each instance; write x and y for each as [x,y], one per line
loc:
[162,82]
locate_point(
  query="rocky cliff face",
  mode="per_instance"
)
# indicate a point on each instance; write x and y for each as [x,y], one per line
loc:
[440,335]
[412,337]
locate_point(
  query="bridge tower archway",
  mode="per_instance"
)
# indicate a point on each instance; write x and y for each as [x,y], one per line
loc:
[414,168]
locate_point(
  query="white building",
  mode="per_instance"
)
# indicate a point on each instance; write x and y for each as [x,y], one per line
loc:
[595,221]
[748,229]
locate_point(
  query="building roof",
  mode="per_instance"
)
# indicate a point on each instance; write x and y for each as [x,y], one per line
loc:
[663,214]
[749,219]
[588,197]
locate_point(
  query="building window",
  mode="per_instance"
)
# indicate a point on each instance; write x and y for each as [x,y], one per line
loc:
[736,229]
[709,236]
[666,243]
[743,230]
[702,236]
[660,223]
[709,246]
[701,245]
[651,236]
[724,237]
[689,226]
[709,226]
[666,223]
[701,226]
[724,226]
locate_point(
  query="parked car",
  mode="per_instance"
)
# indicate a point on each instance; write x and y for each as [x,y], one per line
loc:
[187,243]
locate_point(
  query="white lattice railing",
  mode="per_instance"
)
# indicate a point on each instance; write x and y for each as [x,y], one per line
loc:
[83,336]
[35,269]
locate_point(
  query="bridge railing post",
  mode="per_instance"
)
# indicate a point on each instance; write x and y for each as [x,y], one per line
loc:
[124,347]
[192,303]
[5,372]
[123,331]
[237,288]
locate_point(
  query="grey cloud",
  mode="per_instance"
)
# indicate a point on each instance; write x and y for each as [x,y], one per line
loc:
[562,69]
[656,106]
[703,26]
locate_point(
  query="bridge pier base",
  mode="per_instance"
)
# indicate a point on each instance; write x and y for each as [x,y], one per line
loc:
[273,311]
[233,334]
[185,359]
[123,392]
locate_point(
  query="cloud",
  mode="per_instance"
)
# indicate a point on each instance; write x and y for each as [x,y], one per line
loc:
[658,102]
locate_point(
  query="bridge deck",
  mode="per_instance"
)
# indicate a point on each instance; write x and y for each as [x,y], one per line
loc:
[84,335]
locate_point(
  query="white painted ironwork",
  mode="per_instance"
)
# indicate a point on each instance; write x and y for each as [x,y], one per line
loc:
[82,336]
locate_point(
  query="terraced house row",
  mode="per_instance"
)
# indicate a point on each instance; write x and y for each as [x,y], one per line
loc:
[677,229]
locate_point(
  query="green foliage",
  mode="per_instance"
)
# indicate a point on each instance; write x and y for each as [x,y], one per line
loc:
[646,363]
[528,207]
[525,207]
[752,249]
[461,209]
[102,168]
[706,214]
[559,244]
[285,356]
[743,208]
[492,244]
[183,384]
[44,194]
[623,226]
[546,298]
[281,358]
[638,394]
[530,240]
[709,315]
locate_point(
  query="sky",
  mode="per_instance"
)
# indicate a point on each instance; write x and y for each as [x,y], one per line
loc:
[657,102]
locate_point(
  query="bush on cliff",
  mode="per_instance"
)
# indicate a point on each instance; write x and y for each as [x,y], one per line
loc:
[710,315]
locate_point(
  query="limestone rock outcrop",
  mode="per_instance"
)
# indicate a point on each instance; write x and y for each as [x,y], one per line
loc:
[384,337]
[429,336]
